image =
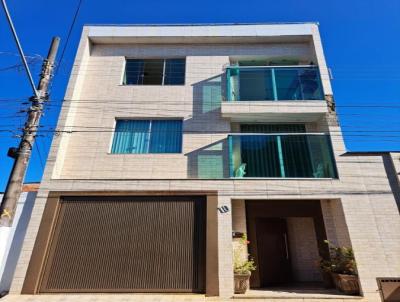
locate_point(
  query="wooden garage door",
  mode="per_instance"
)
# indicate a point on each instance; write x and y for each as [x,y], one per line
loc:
[127,244]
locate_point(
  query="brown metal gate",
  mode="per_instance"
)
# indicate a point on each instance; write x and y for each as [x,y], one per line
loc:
[127,244]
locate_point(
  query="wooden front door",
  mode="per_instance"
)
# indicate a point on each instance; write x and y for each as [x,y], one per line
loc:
[272,251]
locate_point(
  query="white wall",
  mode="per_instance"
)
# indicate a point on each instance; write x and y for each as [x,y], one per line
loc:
[11,239]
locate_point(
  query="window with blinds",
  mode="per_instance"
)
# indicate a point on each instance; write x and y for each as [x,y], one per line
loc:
[147,136]
[154,72]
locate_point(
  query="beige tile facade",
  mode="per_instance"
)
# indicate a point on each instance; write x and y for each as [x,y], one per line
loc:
[304,249]
[359,208]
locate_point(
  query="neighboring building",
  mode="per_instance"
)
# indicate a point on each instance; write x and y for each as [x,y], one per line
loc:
[11,239]
[391,163]
[173,137]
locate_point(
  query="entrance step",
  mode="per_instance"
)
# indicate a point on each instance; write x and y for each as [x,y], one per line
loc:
[298,299]
[295,295]
[105,298]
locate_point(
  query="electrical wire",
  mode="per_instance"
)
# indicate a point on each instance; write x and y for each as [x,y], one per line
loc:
[68,36]
[39,155]
[179,102]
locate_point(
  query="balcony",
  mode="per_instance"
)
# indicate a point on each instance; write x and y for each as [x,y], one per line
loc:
[281,156]
[292,93]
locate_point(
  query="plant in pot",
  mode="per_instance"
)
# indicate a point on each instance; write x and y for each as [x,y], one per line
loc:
[343,269]
[242,266]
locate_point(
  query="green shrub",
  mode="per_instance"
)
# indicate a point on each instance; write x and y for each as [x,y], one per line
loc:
[241,264]
[341,261]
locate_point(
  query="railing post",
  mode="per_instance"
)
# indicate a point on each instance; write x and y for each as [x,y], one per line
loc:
[230,148]
[237,93]
[300,84]
[280,155]
[274,90]
[228,85]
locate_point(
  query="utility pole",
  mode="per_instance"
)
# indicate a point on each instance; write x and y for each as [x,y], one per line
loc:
[23,153]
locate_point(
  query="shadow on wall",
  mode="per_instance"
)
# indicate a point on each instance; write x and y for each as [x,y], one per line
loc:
[393,177]
[209,162]
[207,97]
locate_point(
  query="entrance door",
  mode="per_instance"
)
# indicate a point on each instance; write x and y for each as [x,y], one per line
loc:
[273,251]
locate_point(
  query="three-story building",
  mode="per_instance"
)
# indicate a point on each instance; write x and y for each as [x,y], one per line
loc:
[173,138]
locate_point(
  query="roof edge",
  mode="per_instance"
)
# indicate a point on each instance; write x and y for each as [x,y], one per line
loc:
[197,24]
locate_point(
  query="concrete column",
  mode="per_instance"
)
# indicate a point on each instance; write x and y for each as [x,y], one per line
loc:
[225,261]
[212,279]
[335,223]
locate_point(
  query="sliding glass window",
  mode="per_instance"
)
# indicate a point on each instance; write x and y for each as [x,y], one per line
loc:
[147,136]
[154,72]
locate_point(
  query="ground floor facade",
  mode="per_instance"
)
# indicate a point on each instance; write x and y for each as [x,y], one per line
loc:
[177,237]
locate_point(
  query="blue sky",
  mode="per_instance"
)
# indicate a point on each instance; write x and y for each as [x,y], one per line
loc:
[360,38]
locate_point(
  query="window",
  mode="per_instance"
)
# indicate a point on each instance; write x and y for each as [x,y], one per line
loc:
[154,72]
[147,136]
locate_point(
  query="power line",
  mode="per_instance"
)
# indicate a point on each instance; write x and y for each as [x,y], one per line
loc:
[39,155]
[223,131]
[179,102]
[346,138]
[48,128]
[68,35]
[17,66]
[333,137]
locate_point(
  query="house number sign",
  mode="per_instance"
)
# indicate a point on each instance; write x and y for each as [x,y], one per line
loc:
[223,209]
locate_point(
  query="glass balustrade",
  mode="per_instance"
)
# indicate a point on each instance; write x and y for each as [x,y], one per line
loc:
[281,156]
[249,83]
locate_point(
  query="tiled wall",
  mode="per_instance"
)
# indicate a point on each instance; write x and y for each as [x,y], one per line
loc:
[102,98]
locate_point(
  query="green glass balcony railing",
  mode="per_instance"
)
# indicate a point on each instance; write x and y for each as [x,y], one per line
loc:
[249,83]
[281,156]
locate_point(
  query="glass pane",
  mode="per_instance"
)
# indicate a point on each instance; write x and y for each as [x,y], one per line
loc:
[259,156]
[153,72]
[310,84]
[288,84]
[296,156]
[174,72]
[166,136]
[131,136]
[255,85]
[134,72]
[322,156]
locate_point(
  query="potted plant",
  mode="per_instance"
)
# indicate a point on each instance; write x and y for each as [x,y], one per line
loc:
[343,269]
[242,266]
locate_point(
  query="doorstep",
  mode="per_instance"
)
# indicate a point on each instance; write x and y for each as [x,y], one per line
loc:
[278,295]
[105,298]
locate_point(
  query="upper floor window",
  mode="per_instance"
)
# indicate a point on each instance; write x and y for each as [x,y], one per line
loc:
[147,136]
[155,72]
